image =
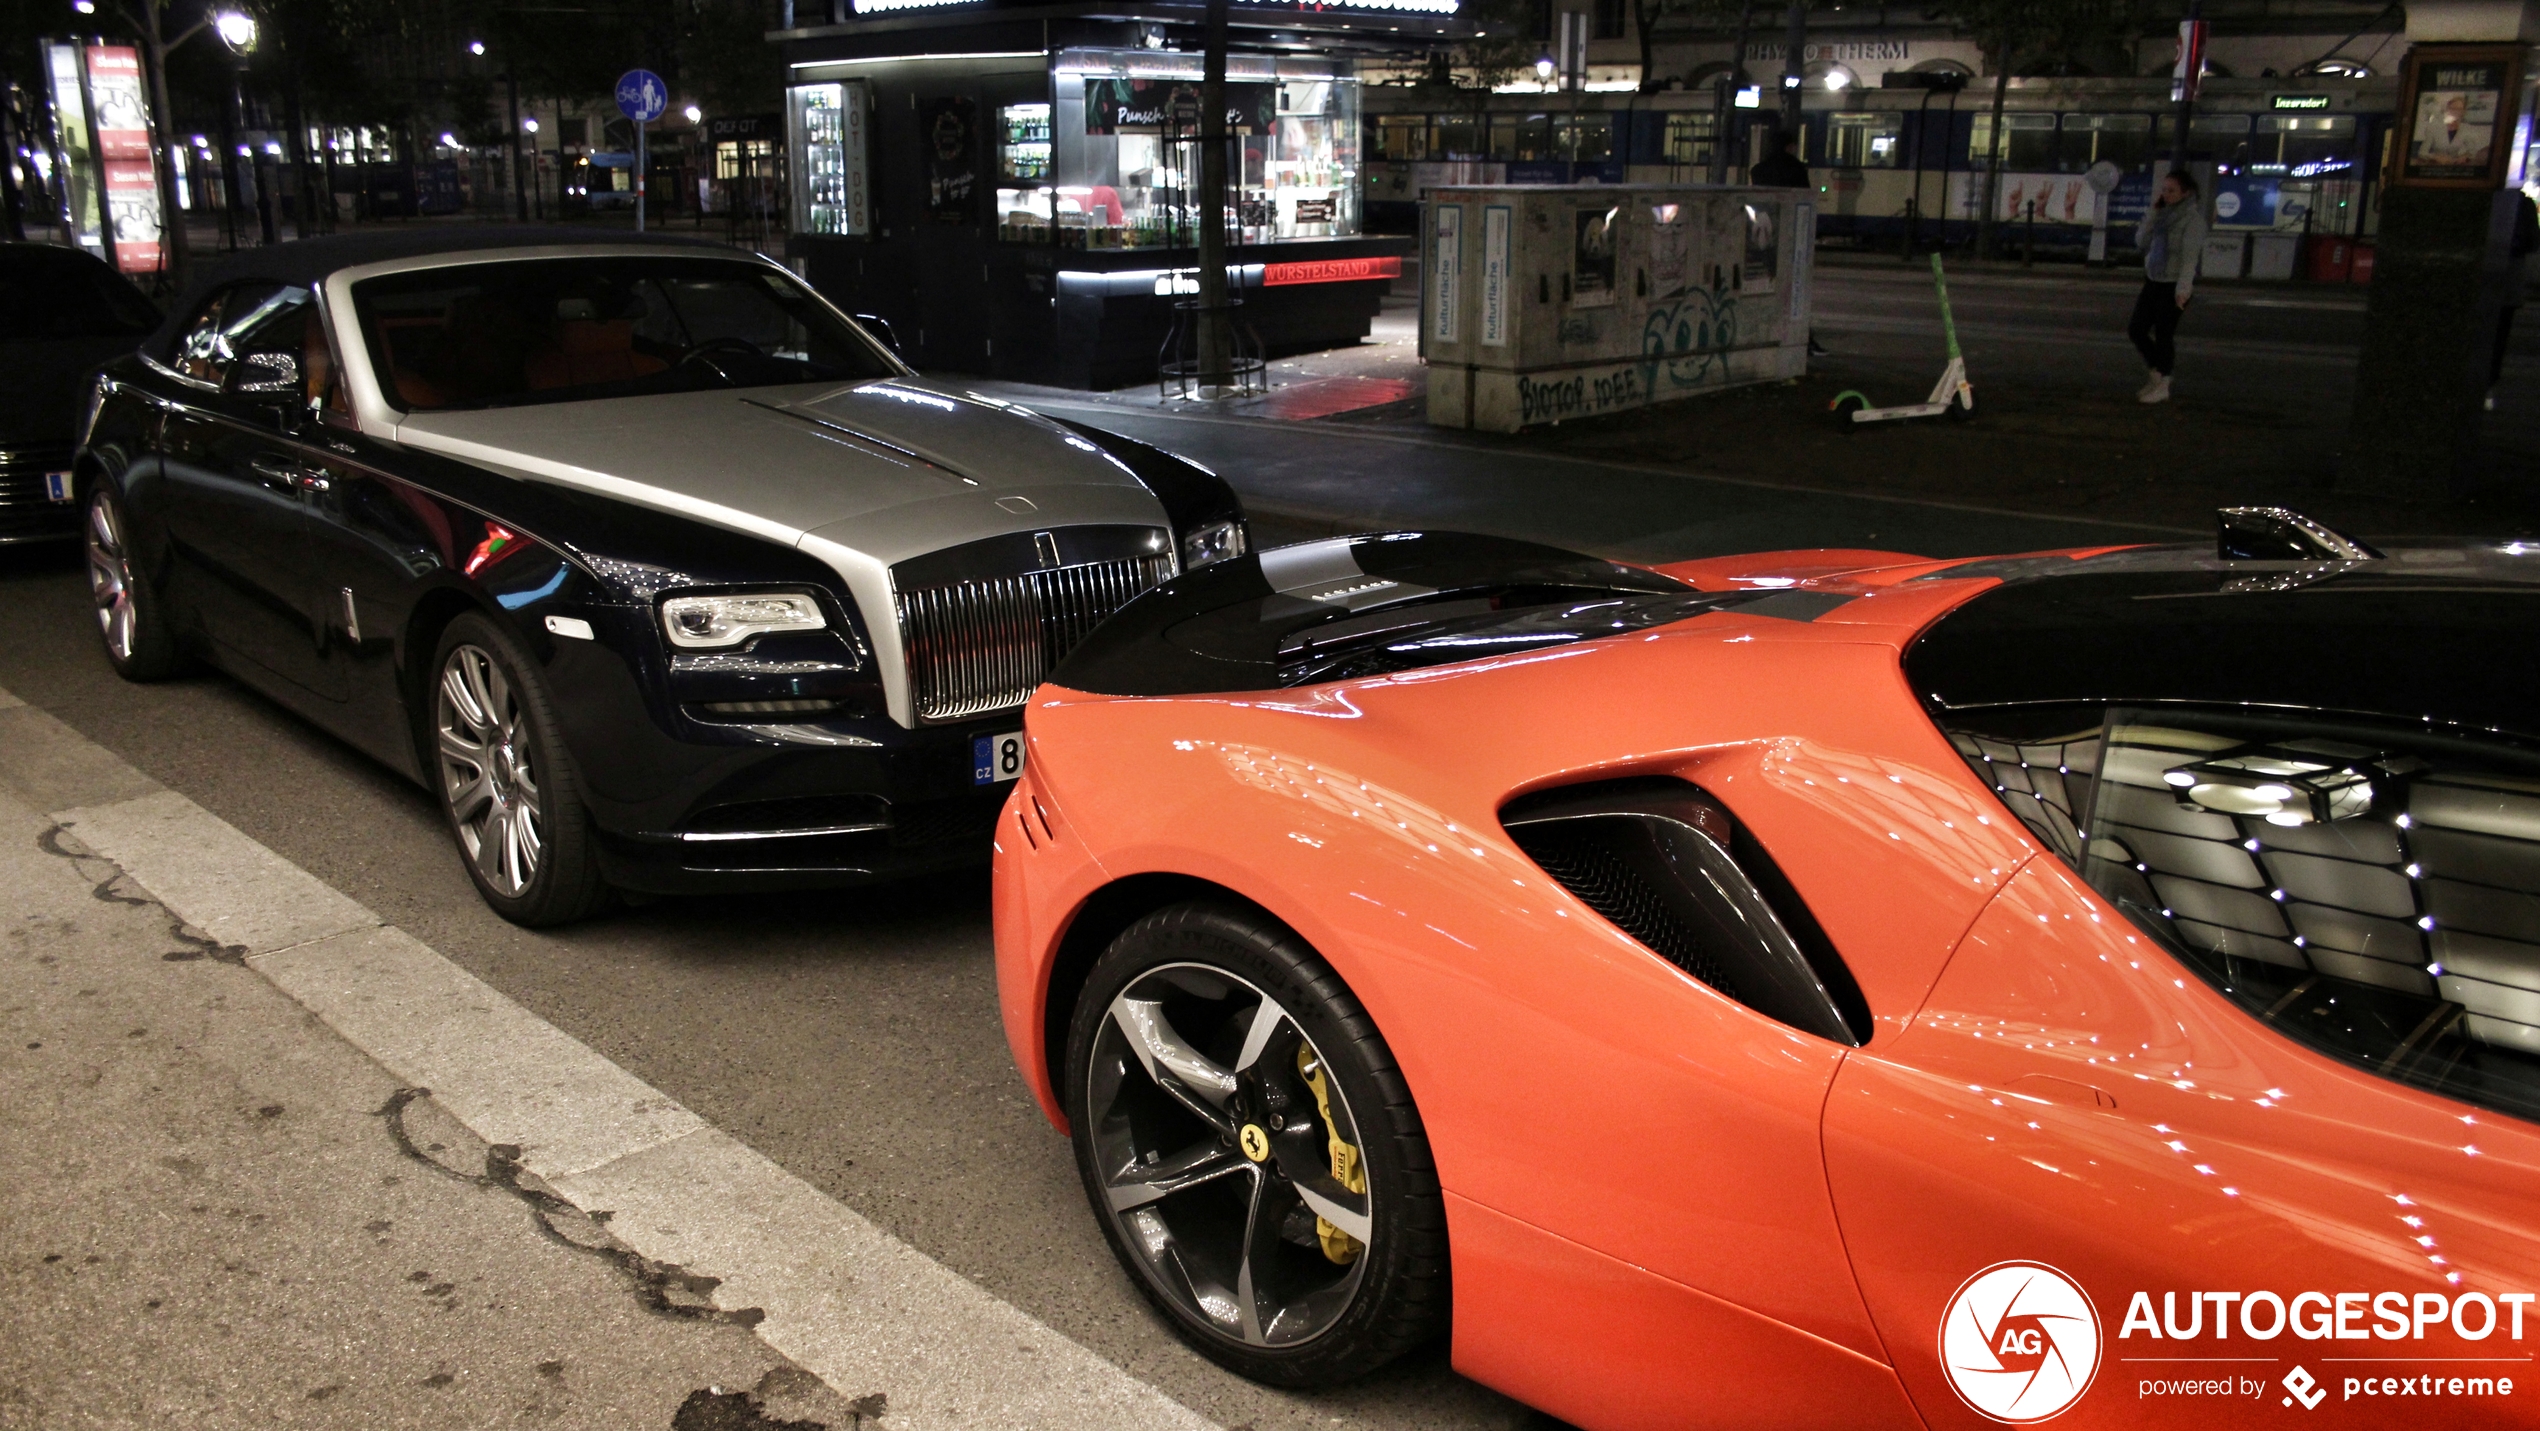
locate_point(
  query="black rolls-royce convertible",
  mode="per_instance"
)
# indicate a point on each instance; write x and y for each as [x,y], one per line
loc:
[661,572]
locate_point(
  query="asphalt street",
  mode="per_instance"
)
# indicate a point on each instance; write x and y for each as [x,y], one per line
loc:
[853,1039]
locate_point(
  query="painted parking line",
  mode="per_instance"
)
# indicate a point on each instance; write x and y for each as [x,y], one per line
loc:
[839,1296]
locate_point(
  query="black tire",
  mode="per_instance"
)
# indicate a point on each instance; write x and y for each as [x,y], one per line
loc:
[132,622]
[1243,1154]
[508,788]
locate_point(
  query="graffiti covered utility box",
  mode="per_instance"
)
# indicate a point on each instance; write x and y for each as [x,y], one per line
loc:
[1543,302]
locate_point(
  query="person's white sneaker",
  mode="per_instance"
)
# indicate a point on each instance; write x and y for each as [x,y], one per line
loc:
[2151,380]
[2491,402]
[2157,390]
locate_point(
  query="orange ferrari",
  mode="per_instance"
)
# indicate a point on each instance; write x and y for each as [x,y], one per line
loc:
[1826,988]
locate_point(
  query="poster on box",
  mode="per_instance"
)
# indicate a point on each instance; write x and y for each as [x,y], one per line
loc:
[1596,232]
[2458,106]
[1670,249]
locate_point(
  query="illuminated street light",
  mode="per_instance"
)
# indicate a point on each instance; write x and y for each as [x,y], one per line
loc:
[237,30]
[476,47]
[449,140]
[694,114]
[1543,70]
[529,126]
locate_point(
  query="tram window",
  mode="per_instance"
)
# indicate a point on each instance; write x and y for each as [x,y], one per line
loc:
[1402,136]
[1458,136]
[2027,142]
[1521,137]
[2221,137]
[2306,144]
[1583,138]
[1865,141]
[1689,138]
[2086,139]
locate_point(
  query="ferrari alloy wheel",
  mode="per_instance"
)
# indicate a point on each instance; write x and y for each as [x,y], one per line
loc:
[138,644]
[511,803]
[1251,1151]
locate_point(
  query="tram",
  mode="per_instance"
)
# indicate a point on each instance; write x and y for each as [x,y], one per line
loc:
[1903,164]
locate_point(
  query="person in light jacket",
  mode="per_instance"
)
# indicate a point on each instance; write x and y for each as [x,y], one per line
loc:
[2172,237]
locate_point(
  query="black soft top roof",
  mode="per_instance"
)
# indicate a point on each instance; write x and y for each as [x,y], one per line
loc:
[2448,634]
[305,261]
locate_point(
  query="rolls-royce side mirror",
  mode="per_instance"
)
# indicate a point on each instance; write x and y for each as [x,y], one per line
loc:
[880,327]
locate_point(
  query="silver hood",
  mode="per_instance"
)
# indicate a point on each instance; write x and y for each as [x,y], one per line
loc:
[862,476]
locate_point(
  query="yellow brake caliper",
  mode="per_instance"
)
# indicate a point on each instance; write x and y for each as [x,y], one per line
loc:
[1339,1246]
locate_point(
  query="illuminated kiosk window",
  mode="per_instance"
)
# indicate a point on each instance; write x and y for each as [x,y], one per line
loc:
[1123,160]
[826,126]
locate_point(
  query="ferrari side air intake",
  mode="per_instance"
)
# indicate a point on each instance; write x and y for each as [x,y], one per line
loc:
[1668,866]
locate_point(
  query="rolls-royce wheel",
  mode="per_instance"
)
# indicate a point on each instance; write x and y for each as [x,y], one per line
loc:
[1251,1150]
[513,800]
[139,644]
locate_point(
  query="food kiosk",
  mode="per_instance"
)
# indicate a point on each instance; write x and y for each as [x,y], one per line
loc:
[1014,188]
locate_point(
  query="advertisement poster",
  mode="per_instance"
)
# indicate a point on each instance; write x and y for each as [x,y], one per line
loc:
[1149,106]
[1670,249]
[2457,110]
[1592,257]
[79,155]
[1763,246]
[122,127]
[949,129]
[1496,225]
[1446,260]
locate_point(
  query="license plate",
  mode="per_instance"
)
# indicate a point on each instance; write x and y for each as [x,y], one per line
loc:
[995,759]
[57,486]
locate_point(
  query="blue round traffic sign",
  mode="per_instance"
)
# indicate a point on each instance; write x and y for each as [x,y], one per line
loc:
[641,95]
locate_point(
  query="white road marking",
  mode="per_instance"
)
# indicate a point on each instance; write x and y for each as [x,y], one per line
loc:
[861,1309]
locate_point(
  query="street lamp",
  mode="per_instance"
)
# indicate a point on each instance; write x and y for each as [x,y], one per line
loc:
[237,30]
[529,125]
[694,114]
[1543,70]
[476,48]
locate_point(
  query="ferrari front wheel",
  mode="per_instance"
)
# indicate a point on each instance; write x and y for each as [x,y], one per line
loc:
[1251,1151]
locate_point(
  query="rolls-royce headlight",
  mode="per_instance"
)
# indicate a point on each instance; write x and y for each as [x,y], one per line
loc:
[697,622]
[1211,542]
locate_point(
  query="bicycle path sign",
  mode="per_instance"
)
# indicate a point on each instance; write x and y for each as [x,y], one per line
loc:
[641,96]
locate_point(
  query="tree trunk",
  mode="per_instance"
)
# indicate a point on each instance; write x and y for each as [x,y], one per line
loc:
[1998,144]
[1724,99]
[1216,325]
[175,244]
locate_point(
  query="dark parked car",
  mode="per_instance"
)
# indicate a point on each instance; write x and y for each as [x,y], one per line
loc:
[62,312]
[661,572]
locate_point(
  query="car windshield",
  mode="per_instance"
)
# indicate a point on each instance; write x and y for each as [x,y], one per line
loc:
[51,293]
[569,329]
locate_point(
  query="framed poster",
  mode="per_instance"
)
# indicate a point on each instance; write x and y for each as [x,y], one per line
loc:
[2458,105]
[949,130]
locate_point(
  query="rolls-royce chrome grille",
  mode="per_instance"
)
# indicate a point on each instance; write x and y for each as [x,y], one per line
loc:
[982,645]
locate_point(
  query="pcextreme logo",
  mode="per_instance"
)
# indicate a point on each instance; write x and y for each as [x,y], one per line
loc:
[2020,1342]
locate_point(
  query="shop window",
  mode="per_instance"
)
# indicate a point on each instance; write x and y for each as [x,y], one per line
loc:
[1402,138]
[1689,138]
[1609,19]
[2124,140]
[2025,142]
[1125,154]
[1865,141]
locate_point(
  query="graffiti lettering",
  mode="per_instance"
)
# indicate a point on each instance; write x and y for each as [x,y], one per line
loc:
[1689,339]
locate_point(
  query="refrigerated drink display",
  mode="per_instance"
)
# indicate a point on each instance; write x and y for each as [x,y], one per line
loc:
[828,127]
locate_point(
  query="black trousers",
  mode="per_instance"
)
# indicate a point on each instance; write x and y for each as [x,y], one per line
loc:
[2154,327]
[2504,339]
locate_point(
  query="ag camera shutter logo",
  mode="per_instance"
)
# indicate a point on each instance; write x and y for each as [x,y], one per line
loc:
[2019,1342]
